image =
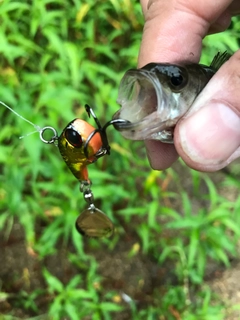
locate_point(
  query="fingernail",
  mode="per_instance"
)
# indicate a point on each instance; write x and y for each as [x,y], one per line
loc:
[211,134]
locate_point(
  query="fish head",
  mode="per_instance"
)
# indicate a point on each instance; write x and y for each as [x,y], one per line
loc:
[153,99]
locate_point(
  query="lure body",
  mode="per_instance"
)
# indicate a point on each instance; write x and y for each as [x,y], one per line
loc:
[73,148]
[155,97]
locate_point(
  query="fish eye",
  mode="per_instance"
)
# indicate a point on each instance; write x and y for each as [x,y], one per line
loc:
[74,138]
[178,78]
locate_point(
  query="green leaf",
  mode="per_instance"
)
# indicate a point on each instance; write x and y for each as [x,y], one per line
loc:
[73,312]
[193,247]
[3,219]
[110,306]
[54,284]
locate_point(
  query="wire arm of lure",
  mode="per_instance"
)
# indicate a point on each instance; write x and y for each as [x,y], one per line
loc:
[116,123]
[105,147]
[90,112]
[102,131]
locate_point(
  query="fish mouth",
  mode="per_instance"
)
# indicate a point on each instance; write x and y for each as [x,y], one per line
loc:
[144,104]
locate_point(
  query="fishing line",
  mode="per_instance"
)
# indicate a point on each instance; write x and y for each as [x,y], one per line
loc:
[38,129]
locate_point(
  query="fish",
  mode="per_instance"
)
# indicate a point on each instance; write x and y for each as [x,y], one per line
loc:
[155,97]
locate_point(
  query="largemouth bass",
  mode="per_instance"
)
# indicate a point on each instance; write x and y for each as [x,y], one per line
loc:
[155,97]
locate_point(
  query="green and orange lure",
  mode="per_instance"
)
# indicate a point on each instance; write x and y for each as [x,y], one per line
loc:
[80,144]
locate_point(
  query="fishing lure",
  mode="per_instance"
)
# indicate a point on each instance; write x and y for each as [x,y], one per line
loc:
[80,144]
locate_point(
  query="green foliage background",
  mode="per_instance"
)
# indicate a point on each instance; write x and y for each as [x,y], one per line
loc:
[55,56]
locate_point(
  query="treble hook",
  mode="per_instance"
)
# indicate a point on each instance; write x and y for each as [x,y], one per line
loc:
[102,131]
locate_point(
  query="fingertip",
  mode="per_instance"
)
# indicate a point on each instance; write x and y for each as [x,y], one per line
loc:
[221,24]
[160,155]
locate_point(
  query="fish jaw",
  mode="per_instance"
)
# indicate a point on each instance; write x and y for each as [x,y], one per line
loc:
[150,107]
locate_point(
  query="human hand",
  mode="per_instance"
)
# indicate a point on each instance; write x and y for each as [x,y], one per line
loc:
[208,138]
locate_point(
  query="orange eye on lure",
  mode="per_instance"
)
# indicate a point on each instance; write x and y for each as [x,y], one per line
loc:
[80,144]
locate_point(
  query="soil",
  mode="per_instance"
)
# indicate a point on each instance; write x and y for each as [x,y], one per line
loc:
[136,277]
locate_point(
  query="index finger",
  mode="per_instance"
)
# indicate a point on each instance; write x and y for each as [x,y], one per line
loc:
[174,29]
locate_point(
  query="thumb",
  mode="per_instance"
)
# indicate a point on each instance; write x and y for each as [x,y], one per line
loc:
[208,138]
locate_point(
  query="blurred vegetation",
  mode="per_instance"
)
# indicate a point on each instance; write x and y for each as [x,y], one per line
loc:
[56,56]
